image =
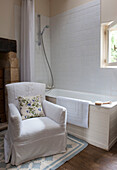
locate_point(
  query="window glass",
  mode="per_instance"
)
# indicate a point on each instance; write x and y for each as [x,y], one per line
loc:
[112,46]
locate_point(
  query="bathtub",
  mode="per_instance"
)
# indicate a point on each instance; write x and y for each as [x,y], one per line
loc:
[102,131]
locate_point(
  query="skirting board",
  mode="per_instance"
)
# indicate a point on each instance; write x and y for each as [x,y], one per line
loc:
[112,143]
[100,145]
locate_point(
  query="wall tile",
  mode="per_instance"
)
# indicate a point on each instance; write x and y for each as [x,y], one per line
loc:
[75,51]
[41,69]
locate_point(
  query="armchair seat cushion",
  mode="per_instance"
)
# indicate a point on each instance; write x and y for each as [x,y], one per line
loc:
[38,128]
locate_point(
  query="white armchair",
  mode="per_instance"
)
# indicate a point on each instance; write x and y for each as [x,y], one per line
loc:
[36,137]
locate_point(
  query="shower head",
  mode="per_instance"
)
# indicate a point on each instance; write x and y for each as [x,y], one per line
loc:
[47,26]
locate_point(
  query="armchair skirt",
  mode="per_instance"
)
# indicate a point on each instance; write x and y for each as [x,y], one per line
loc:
[48,140]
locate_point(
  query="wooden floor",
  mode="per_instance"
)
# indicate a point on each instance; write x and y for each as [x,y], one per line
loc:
[92,158]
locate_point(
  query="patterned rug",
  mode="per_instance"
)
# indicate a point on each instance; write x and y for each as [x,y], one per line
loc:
[74,146]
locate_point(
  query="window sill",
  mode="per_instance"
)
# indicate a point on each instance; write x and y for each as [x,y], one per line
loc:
[109,66]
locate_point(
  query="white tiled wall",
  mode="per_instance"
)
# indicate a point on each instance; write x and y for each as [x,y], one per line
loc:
[41,69]
[75,51]
[73,47]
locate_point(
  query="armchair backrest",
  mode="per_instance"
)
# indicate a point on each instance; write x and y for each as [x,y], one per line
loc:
[15,90]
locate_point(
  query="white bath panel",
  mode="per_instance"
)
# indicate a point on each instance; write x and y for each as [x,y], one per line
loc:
[102,130]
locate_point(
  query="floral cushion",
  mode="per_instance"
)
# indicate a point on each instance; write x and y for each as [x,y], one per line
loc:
[31,107]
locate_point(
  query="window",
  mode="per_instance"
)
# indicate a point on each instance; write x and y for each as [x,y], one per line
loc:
[109,44]
[112,58]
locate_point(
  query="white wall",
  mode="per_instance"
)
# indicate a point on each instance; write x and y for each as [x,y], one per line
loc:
[7,18]
[59,6]
[42,7]
[108,10]
[75,51]
[17,12]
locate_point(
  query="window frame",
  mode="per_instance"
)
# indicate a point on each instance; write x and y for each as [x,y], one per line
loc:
[105,27]
[114,23]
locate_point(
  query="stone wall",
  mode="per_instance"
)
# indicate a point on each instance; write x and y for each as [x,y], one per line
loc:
[9,73]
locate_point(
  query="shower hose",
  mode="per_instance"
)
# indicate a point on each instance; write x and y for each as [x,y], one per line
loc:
[52,79]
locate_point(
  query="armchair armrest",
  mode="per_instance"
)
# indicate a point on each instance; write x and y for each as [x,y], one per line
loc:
[55,112]
[15,120]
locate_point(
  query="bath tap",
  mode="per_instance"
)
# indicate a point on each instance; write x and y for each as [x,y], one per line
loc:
[50,87]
